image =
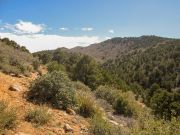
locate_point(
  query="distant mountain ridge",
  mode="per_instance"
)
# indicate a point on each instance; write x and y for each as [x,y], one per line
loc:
[115,47]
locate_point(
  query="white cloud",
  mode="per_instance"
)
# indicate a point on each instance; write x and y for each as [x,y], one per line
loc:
[106,38]
[63,29]
[29,27]
[111,31]
[37,42]
[87,29]
[9,27]
[23,27]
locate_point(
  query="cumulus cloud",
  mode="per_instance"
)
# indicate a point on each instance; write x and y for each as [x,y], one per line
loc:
[63,29]
[29,27]
[23,27]
[87,29]
[37,42]
[111,31]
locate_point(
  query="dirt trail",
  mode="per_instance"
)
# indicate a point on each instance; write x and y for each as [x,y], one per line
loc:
[16,99]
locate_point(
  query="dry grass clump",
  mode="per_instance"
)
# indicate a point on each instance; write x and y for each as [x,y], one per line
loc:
[7,117]
[38,116]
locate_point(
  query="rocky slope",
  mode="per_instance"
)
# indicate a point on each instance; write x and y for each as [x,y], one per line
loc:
[17,100]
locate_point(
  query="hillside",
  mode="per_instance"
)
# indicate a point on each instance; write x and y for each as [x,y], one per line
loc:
[147,65]
[15,58]
[77,94]
[154,75]
[116,47]
[17,100]
[156,64]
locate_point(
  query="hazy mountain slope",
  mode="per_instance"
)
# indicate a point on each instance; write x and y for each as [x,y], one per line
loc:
[115,47]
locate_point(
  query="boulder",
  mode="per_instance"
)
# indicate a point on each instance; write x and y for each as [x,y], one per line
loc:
[15,87]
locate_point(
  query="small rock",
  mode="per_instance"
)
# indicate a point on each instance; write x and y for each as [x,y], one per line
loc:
[68,128]
[83,128]
[56,130]
[15,88]
[20,76]
[111,117]
[70,111]
[12,74]
[113,122]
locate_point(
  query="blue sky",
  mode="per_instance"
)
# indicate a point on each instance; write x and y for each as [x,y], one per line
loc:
[97,19]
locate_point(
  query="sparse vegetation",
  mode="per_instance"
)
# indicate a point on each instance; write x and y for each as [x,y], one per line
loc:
[7,117]
[38,116]
[86,104]
[148,124]
[16,59]
[100,126]
[117,47]
[118,99]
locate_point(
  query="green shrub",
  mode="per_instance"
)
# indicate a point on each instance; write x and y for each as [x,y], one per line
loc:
[55,66]
[38,116]
[54,88]
[88,72]
[107,93]
[123,102]
[81,87]
[165,104]
[121,106]
[7,117]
